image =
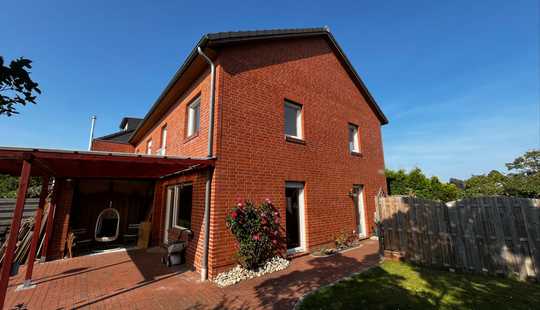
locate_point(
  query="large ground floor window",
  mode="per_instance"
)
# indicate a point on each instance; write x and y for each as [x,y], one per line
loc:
[294,217]
[179,205]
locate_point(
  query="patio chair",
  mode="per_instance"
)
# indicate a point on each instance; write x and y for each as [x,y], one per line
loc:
[176,249]
[107,225]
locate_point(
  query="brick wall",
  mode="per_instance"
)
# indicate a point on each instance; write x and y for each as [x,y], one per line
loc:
[63,200]
[195,245]
[175,119]
[255,161]
[109,146]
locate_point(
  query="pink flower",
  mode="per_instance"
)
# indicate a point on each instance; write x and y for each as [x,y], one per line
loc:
[256,237]
[276,220]
[268,201]
[275,232]
[274,241]
[276,213]
[240,205]
[234,215]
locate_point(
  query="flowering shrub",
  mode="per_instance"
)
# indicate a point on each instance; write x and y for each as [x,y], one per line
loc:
[345,240]
[256,229]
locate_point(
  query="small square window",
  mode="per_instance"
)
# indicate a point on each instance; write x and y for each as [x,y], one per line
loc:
[194,112]
[293,120]
[354,146]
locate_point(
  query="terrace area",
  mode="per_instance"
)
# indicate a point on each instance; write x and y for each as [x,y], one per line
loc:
[136,280]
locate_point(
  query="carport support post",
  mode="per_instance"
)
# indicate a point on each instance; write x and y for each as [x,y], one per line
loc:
[14,229]
[37,230]
[50,219]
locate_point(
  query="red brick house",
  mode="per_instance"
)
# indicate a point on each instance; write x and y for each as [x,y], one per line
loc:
[282,115]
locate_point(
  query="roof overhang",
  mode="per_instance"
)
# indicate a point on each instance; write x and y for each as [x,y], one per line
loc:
[194,65]
[92,164]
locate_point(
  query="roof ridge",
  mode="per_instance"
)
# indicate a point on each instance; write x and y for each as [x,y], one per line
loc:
[263,32]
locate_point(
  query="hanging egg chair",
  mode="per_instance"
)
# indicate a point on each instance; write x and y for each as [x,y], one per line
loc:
[107,225]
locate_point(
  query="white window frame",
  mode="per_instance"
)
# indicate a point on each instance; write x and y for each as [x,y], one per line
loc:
[299,110]
[301,215]
[163,146]
[191,130]
[175,207]
[149,147]
[361,209]
[170,191]
[355,143]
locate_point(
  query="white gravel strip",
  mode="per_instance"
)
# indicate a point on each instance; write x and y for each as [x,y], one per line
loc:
[238,273]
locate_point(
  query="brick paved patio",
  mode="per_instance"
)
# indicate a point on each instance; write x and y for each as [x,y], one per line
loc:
[136,280]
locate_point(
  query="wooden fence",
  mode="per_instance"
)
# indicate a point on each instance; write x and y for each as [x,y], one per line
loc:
[498,235]
[7,207]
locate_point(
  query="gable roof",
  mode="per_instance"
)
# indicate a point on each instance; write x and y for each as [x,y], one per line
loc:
[219,39]
[125,133]
[121,136]
[131,122]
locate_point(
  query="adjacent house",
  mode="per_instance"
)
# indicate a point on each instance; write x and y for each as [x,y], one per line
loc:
[278,114]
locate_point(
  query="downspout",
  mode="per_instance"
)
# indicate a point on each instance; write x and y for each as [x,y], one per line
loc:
[204,267]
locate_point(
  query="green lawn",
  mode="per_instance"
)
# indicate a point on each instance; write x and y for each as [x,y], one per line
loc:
[395,285]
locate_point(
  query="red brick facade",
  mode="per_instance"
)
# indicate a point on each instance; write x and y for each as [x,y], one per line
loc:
[195,244]
[254,160]
[103,145]
[63,199]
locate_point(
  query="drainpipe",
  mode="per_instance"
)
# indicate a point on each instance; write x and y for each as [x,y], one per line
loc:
[204,267]
[92,132]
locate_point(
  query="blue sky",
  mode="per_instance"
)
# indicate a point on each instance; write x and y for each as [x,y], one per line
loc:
[459,80]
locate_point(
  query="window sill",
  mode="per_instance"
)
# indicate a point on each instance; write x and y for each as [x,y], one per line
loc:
[180,228]
[193,136]
[295,140]
[357,154]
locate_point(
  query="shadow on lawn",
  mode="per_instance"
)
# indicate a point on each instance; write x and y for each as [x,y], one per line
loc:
[396,285]
[472,291]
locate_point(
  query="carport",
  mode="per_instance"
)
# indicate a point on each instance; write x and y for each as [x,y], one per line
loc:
[55,165]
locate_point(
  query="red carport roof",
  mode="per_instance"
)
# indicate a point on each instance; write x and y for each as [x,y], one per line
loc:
[92,164]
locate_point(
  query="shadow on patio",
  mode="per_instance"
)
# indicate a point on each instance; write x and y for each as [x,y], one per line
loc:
[284,292]
[137,280]
[83,281]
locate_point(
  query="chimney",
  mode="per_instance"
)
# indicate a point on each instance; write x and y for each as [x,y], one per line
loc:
[92,132]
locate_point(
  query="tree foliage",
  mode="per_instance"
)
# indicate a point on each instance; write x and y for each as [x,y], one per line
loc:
[528,164]
[9,186]
[491,184]
[415,183]
[522,180]
[16,85]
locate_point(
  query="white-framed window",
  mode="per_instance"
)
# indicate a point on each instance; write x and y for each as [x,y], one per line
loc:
[354,146]
[179,206]
[149,147]
[194,113]
[293,120]
[163,141]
